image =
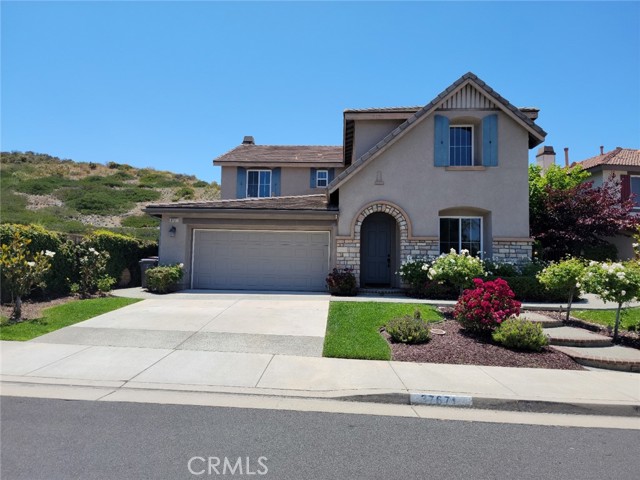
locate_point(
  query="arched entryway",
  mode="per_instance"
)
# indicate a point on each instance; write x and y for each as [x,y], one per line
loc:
[379,250]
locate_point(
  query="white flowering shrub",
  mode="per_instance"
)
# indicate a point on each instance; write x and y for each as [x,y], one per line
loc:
[414,272]
[22,270]
[614,282]
[457,269]
[564,276]
[91,266]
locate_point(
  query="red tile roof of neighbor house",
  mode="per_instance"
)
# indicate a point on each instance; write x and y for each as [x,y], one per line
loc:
[294,202]
[626,157]
[270,154]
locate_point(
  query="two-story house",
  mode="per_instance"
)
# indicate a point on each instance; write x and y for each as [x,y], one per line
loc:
[407,182]
[623,164]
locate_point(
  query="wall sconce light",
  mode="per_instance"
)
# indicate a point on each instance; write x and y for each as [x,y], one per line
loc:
[172,232]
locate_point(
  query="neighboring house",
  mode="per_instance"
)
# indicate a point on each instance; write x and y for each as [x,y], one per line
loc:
[624,164]
[407,182]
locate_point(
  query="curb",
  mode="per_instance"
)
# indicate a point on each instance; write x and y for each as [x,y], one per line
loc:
[436,399]
[507,404]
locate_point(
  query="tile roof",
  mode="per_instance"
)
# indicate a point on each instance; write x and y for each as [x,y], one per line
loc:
[316,202]
[626,157]
[270,154]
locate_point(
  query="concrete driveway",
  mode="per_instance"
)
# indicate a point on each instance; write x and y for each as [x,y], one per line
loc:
[287,324]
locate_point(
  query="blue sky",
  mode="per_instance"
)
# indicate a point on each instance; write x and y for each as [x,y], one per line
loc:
[172,85]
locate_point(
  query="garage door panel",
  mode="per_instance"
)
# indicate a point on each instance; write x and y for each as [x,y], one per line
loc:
[260,260]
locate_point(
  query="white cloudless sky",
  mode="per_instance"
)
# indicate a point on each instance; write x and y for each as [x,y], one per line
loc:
[172,85]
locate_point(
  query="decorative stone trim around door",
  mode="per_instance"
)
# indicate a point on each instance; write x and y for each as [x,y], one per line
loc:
[348,248]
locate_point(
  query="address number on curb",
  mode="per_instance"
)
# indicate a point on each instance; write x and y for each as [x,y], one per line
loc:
[444,400]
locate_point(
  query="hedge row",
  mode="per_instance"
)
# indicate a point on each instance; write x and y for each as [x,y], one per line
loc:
[124,253]
[526,288]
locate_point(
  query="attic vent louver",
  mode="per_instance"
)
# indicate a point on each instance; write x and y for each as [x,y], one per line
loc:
[248,140]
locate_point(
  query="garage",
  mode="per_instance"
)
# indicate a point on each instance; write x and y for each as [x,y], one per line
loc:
[260,260]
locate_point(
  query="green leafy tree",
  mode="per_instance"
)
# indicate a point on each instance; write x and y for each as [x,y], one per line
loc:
[614,282]
[22,270]
[565,275]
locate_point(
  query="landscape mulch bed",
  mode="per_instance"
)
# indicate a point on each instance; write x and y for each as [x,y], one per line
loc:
[458,347]
[32,309]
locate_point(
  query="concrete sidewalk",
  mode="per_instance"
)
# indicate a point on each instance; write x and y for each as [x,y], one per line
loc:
[31,366]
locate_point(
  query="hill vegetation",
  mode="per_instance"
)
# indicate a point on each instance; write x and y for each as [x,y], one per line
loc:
[77,197]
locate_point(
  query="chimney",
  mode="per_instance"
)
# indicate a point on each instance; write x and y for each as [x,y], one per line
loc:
[601,149]
[566,156]
[545,157]
[248,140]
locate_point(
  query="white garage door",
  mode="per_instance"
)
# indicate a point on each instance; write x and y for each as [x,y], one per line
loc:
[260,260]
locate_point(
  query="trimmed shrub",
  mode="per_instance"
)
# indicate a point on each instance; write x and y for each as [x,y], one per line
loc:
[529,289]
[601,252]
[163,279]
[564,276]
[342,282]
[435,291]
[486,306]
[408,329]
[520,334]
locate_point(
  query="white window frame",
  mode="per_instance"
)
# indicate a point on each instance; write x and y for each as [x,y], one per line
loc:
[326,179]
[463,217]
[270,181]
[473,138]
[637,195]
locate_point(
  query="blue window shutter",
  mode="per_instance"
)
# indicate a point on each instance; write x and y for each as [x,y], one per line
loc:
[241,183]
[332,174]
[275,182]
[441,141]
[312,181]
[490,141]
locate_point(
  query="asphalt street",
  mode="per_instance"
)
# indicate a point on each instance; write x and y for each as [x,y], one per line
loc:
[61,439]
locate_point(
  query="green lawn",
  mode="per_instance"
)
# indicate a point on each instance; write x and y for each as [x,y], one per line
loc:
[353,327]
[630,317]
[60,316]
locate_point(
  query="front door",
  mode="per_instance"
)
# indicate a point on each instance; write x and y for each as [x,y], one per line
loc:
[378,238]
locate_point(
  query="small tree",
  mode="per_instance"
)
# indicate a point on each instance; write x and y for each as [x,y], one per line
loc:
[565,275]
[457,269]
[22,270]
[614,282]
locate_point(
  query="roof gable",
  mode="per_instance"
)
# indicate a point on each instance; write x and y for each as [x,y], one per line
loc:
[466,92]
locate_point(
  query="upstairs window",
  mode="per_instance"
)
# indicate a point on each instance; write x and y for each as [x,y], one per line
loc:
[635,189]
[322,178]
[460,145]
[258,183]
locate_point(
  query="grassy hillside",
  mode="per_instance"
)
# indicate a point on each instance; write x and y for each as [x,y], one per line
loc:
[76,197]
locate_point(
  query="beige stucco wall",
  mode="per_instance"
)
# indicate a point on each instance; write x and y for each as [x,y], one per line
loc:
[293,181]
[370,132]
[422,190]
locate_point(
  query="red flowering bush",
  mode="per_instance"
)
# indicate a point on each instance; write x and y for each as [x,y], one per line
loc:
[486,306]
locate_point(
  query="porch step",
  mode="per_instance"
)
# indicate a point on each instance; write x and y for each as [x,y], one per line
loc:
[381,291]
[611,358]
[546,322]
[576,337]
